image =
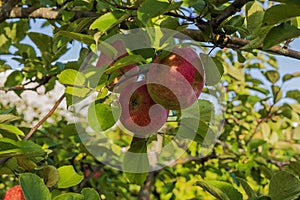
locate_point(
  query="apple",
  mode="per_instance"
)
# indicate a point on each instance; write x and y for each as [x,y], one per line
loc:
[140,114]
[176,81]
[14,193]
[108,60]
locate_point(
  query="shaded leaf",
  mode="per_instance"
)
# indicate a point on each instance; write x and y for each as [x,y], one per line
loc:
[280,13]
[153,8]
[90,194]
[280,34]
[86,39]
[293,94]
[219,194]
[272,75]
[249,191]
[213,70]
[33,187]
[69,196]
[284,186]
[15,78]
[50,175]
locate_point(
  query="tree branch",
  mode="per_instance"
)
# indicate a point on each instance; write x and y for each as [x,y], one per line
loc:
[233,42]
[46,13]
[237,43]
[145,191]
[6,8]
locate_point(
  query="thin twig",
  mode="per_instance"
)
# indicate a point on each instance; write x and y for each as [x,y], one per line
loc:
[145,191]
[44,118]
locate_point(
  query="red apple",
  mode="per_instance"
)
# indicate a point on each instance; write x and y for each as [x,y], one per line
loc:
[140,114]
[176,81]
[14,193]
[108,60]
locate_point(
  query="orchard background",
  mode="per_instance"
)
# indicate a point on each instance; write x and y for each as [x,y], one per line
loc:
[257,152]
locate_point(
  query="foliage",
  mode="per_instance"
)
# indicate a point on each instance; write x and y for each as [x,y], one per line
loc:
[256,155]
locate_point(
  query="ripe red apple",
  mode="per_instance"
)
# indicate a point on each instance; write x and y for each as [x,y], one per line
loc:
[140,114]
[108,60]
[177,80]
[14,193]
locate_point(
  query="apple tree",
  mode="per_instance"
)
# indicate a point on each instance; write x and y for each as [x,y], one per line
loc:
[153,99]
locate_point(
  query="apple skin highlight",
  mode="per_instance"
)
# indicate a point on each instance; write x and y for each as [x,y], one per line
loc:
[176,81]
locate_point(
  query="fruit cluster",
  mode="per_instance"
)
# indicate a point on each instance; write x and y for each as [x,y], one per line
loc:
[171,83]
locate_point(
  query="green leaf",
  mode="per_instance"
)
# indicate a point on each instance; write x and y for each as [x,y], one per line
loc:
[254,16]
[25,50]
[255,143]
[15,78]
[78,91]
[125,61]
[42,41]
[11,129]
[26,163]
[67,15]
[68,177]
[86,39]
[109,20]
[69,196]
[258,38]
[249,191]
[235,73]
[241,58]
[25,148]
[71,77]
[287,77]
[280,34]
[262,198]
[33,187]
[216,192]
[234,23]
[284,186]
[213,70]
[205,112]
[50,175]
[153,8]
[277,93]
[280,13]
[228,189]
[90,194]
[293,94]
[136,163]
[272,75]
[100,116]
